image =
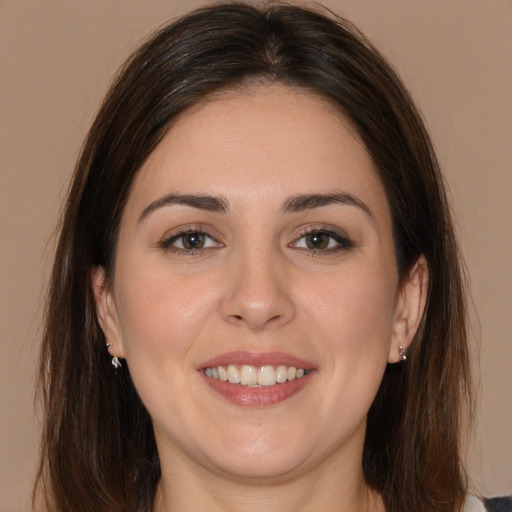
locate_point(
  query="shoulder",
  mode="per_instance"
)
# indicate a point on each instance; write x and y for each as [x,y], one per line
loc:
[499,504]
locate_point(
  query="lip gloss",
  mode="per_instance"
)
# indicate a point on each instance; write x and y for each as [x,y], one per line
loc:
[240,357]
[256,396]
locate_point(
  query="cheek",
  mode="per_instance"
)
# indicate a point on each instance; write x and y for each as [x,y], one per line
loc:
[357,303]
[160,312]
[353,314]
[161,317]
[349,315]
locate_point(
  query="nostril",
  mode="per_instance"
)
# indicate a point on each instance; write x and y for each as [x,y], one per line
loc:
[273,319]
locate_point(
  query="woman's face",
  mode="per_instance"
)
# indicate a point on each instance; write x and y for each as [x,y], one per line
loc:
[256,245]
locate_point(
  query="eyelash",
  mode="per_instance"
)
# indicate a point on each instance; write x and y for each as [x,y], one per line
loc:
[342,241]
[167,242]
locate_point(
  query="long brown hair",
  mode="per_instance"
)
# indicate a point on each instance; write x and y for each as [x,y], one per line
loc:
[98,448]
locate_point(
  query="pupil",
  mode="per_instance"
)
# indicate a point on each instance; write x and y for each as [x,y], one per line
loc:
[317,241]
[193,241]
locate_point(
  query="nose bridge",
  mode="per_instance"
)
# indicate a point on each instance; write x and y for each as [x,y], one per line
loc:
[257,294]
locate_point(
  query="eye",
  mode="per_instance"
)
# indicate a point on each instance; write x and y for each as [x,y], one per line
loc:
[190,241]
[322,240]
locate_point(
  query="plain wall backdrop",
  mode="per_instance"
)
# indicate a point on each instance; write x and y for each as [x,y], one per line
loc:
[57,58]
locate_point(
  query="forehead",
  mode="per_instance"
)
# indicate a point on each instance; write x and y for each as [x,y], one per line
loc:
[258,143]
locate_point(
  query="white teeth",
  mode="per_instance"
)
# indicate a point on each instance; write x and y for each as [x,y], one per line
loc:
[223,374]
[233,374]
[266,376]
[281,374]
[248,375]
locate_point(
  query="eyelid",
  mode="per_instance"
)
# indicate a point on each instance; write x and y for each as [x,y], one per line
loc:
[166,242]
[344,242]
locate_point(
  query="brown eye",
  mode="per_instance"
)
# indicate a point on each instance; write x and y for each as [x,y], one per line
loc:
[192,241]
[323,241]
[317,240]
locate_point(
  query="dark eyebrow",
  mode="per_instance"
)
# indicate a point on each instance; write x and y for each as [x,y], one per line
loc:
[201,202]
[307,201]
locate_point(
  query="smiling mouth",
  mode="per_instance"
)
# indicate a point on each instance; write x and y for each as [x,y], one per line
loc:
[255,376]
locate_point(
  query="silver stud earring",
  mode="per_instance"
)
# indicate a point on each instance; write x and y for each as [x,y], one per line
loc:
[115,360]
[403,353]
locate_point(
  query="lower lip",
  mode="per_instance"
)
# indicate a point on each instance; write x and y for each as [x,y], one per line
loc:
[257,397]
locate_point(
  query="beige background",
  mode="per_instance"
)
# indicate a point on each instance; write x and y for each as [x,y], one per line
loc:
[56,59]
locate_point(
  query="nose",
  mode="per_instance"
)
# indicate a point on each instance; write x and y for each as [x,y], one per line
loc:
[257,294]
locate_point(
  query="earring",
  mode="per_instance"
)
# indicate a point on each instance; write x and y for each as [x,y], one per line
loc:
[115,360]
[403,353]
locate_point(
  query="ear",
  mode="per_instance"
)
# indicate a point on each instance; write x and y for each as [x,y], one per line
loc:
[106,312]
[409,309]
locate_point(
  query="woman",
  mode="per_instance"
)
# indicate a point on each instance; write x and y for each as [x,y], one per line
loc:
[256,299]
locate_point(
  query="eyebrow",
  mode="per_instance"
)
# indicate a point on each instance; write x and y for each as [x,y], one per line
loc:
[201,202]
[308,201]
[219,204]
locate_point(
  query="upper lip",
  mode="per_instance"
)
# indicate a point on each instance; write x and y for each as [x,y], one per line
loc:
[241,357]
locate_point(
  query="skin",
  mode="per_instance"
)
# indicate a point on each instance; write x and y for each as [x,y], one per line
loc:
[257,286]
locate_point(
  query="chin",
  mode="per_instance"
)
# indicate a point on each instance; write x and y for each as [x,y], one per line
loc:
[262,458]
[260,469]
